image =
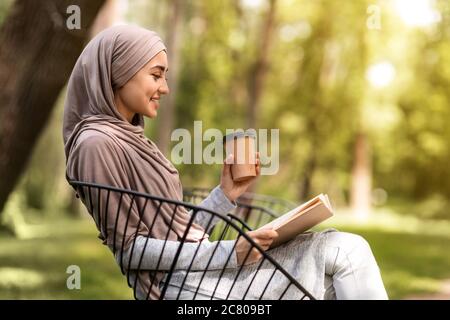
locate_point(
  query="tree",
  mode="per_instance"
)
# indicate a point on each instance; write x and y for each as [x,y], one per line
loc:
[37,53]
[361,187]
[258,71]
[167,117]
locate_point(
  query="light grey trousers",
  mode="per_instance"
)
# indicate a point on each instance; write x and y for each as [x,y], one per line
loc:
[351,272]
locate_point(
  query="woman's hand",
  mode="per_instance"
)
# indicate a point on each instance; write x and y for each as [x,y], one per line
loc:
[233,189]
[263,237]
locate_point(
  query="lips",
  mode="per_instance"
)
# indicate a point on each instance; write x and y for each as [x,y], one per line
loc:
[155,101]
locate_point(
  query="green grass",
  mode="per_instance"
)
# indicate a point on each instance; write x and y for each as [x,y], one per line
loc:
[35,267]
[413,255]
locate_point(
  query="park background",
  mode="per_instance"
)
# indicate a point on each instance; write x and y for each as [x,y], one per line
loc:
[358,89]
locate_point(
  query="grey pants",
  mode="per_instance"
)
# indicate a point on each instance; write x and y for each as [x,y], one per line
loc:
[188,294]
[330,265]
[303,258]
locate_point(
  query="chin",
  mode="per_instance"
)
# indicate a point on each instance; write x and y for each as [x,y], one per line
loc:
[152,114]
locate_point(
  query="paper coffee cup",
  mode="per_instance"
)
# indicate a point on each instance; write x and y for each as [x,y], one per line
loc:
[242,146]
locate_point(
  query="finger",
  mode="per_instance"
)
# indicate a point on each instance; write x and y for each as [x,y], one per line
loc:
[229,159]
[263,242]
[266,241]
[274,233]
[256,159]
[262,234]
[257,241]
[227,164]
[267,234]
[264,237]
[266,244]
[256,254]
[258,164]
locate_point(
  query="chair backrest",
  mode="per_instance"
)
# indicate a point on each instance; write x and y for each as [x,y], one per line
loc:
[153,262]
[253,210]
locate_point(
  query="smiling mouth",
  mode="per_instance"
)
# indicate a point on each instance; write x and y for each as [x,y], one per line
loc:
[155,101]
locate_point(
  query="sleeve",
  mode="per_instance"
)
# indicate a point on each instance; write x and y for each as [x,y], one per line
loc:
[221,253]
[155,254]
[216,201]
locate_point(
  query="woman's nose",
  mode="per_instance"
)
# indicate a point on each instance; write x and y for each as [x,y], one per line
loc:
[164,89]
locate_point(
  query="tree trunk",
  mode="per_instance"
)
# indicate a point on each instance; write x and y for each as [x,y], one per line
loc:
[259,69]
[167,119]
[361,178]
[305,185]
[37,54]
[106,17]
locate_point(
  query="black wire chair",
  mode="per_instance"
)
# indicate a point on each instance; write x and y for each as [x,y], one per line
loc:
[253,210]
[97,199]
[277,205]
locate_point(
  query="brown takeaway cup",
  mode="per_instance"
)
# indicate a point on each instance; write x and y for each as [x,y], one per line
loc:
[242,146]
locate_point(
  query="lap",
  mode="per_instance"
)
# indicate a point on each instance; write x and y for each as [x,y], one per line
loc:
[302,258]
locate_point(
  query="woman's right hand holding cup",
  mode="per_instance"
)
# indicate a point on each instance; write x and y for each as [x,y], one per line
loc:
[263,237]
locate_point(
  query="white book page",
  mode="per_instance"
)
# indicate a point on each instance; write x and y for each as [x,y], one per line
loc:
[280,220]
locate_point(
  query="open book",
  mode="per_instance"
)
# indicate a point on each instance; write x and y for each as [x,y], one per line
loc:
[300,219]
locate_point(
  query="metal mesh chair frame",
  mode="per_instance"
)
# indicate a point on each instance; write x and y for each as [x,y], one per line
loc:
[276,205]
[230,222]
[253,210]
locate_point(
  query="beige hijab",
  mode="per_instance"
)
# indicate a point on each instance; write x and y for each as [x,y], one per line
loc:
[102,147]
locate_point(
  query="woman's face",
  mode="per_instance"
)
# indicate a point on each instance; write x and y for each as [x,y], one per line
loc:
[142,92]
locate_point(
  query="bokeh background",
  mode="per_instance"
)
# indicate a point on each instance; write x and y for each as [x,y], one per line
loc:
[358,89]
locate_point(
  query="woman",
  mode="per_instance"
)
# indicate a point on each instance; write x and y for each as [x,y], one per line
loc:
[118,79]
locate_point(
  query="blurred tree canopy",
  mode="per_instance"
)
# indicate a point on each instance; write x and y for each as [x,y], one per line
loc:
[330,77]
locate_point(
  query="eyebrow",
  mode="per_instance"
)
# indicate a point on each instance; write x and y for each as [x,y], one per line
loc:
[162,68]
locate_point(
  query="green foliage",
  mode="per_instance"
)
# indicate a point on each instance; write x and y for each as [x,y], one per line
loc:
[317,93]
[5,6]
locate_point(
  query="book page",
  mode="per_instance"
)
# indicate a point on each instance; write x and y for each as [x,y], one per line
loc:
[302,222]
[300,219]
[285,218]
[280,220]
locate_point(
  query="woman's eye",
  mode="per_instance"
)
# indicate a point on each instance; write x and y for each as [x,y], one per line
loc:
[156,77]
